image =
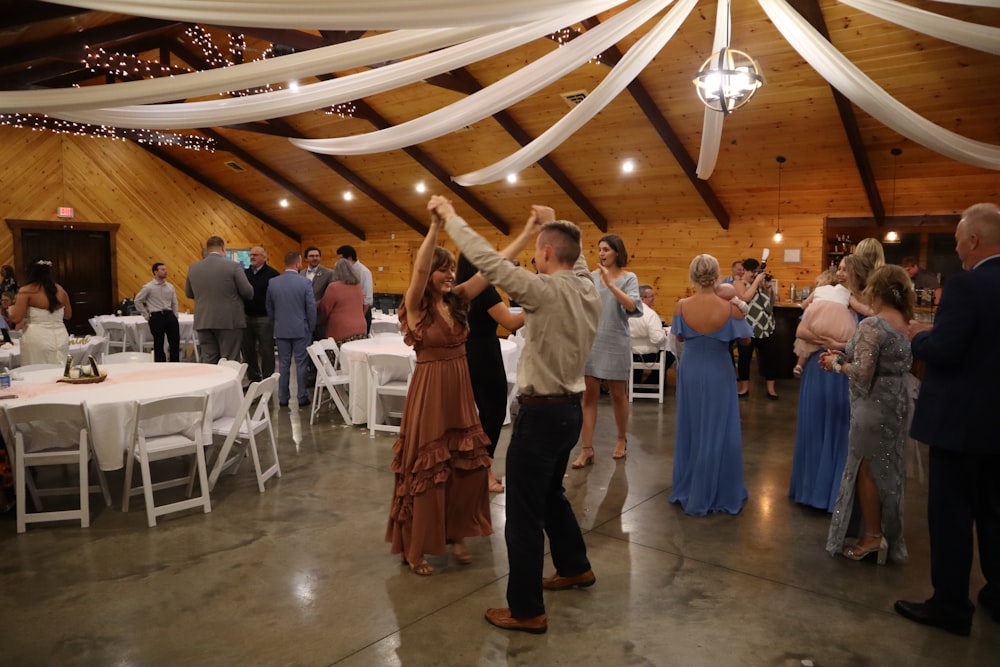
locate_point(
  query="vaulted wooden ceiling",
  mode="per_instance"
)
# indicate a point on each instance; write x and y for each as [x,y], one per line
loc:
[838,157]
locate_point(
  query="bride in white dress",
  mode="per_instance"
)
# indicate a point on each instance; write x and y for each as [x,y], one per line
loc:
[43,305]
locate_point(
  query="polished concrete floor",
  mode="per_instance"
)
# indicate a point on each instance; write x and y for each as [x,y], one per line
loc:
[300,575]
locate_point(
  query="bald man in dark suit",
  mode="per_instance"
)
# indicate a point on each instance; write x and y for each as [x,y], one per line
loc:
[956,416]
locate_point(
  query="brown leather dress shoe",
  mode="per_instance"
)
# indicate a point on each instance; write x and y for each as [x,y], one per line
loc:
[558,582]
[536,625]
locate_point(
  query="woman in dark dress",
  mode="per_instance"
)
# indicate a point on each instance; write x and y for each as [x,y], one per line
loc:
[489,378]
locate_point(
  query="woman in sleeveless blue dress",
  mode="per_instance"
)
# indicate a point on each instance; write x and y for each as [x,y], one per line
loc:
[708,447]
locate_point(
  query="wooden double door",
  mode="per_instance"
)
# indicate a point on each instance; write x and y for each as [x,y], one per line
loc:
[83,262]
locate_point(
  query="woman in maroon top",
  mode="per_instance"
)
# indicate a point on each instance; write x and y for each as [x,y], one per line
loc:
[341,310]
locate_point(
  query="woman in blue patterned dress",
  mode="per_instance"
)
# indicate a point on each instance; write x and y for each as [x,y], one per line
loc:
[876,362]
[611,356]
[708,446]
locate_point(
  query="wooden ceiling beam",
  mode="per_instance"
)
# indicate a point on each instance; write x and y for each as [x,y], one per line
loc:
[366,111]
[219,190]
[361,184]
[18,13]
[70,46]
[810,11]
[514,129]
[280,180]
[667,134]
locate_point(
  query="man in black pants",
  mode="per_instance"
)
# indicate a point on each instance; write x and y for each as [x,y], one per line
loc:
[561,311]
[955,416]
[157,302]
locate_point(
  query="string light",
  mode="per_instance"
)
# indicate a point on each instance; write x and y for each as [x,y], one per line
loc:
[344,110]
[567,35]
[39,122]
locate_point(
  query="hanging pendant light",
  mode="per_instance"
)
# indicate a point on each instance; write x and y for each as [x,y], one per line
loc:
[778,236]
[728,80]
[892,236]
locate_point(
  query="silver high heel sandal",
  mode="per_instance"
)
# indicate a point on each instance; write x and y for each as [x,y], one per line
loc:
[857,553]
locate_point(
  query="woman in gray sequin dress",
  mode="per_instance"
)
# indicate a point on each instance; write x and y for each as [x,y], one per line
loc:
[611,356]
[876,362]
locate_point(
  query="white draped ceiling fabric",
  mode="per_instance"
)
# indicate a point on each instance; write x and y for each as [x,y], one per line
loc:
[318,95]
[627,69]
[711,134]
[335,14]
[852,82]
[425,25]
[498,96]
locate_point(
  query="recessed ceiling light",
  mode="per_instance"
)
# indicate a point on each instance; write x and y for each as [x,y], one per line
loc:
[421,188]
[284,203]
[348,196]
[512,178]
[293,85]
[628,166]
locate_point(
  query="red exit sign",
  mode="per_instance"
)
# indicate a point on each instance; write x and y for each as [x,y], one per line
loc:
[64,212]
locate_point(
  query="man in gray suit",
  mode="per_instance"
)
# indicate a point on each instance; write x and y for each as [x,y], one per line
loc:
[291,307]
[219,287]
[319,276]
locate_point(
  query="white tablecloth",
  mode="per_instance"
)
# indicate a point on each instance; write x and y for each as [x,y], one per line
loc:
[354,361]
[137,328]
[111,404]
[10,353]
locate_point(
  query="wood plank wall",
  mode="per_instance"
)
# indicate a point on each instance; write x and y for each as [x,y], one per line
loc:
[165,216]
[660,251]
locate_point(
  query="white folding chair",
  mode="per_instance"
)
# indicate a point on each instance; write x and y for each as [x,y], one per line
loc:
[192,340]
[114,331]
[252,419]
[95,324]
[188,438]
[329,379]
[75,449]
[648,390]
[384,326]
[389,375]
[239,366]
[128,358]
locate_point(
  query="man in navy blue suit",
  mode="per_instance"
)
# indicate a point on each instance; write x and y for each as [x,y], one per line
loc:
[956,416]
[291,306]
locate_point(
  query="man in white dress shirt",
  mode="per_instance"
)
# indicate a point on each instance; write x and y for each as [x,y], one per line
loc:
[157,302]
[648,337]
[365,276]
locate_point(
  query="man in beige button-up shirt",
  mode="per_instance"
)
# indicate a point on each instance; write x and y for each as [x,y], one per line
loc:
[561,312]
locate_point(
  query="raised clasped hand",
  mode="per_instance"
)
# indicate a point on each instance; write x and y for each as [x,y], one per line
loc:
[440,208]
[605,276]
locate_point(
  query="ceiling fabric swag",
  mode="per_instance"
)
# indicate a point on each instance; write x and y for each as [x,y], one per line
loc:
[627,69]
[360,52]
[333,14]
[973,3]
[840,73]
[980,37]
[711,133]
[498,96]
[318,95]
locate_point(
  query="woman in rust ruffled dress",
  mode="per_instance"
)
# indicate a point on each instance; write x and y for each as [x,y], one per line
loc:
[440,459]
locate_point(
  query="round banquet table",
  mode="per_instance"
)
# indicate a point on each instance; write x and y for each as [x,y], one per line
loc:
[111,404]
[353,359]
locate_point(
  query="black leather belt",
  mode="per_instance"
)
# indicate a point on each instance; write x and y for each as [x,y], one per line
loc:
[551,399]
[162,312]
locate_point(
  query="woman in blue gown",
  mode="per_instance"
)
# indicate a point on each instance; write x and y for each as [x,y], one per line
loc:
[824,415]
[708,448]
